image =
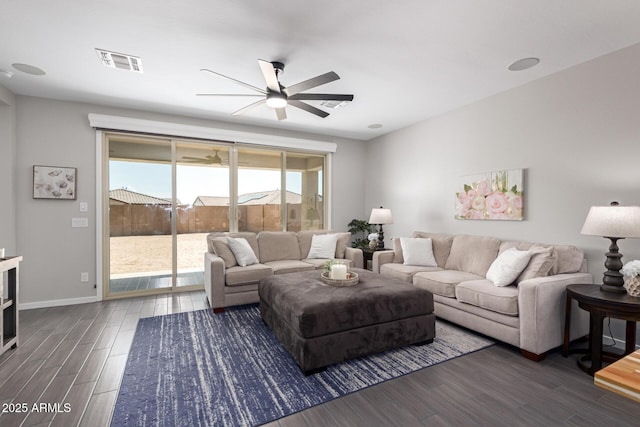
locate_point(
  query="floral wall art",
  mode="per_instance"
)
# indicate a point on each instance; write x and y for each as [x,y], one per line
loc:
[54,182]
[492,195]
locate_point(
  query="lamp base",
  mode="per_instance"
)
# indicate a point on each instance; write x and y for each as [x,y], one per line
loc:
[613,280]
[613,289]
[380,246]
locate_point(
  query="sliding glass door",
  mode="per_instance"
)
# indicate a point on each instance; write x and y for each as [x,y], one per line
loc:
[165,195]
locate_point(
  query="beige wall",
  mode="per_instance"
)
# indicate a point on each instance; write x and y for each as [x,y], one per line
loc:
[576,133]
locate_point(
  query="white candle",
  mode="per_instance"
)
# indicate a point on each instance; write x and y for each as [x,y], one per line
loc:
[1,252]
[338,272]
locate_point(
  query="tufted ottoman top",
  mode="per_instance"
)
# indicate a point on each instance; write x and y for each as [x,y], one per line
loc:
[312,308]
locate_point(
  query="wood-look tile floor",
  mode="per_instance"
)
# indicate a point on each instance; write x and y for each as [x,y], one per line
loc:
[74,356]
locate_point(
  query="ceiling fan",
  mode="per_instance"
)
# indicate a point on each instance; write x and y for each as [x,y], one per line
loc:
[206,160]
[279,97]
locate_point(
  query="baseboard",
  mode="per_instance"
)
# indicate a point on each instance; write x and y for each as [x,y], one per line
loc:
[56,303]
[620,344]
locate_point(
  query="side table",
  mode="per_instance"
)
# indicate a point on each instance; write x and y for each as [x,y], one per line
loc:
[9,306]
[601,304]
[367,255]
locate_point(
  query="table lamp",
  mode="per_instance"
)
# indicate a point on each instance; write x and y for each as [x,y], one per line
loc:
[379,217]
[613,222]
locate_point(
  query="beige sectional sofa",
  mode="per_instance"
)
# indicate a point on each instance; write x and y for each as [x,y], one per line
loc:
[529,313]
[227,283]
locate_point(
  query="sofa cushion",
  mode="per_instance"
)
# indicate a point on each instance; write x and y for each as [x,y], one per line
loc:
[472,254]
[403,272]
[506,268]
[568,259]
[319,262]
[278,246]
[220,247]
[441,245]
[443,282]
[237,276]
[289,266]
[484,294]
[323,246]
[417,251]
[242,251]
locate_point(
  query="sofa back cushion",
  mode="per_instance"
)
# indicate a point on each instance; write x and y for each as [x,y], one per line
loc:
[441,244]
[278,246]
[568,259]
[473,254]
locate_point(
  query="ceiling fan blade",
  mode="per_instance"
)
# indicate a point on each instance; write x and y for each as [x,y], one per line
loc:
[281,113]
[270,76]
[321,97]
[311,83]
[193,158]
[247,85]
[248,107]
[227,94]
[308,108]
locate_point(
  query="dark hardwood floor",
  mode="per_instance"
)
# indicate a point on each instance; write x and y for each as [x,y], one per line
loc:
[75,355]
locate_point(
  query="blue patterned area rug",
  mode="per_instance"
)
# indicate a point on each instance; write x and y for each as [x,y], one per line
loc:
[228,369]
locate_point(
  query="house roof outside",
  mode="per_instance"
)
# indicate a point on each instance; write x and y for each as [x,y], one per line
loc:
[129,197]
[257,198]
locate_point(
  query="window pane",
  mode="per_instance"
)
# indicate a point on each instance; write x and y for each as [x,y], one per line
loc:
[305,185]
[139,215]
[259,183]
[202,190]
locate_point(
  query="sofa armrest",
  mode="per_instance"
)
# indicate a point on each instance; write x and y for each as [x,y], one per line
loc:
[356,257]
[541,304]
[379,258]
[214,279]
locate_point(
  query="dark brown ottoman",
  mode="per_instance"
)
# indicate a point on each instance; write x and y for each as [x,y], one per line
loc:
[321,325]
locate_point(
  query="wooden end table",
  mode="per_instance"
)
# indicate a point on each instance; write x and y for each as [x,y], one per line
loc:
[601,304]
[367,255]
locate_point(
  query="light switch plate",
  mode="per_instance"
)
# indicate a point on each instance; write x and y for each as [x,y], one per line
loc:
[79,222]
[84,277]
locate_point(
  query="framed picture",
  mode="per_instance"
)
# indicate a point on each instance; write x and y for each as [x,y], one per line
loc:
[54,182]
[496,195]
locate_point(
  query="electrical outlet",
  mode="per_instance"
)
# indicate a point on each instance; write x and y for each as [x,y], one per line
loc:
[84,207]
[84,277]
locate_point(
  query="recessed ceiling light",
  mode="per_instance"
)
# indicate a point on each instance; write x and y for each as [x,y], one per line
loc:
[375,126]
[523,64]
[29,69]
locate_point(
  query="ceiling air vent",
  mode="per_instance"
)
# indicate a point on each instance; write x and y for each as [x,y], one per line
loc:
[333,104]
[120,60]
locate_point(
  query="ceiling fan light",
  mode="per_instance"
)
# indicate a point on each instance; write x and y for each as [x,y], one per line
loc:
[276,100]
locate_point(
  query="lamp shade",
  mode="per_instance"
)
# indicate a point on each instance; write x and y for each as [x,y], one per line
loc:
[381,216]
[613,221]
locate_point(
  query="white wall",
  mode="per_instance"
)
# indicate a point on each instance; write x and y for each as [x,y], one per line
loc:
[577,134]
[7,159]
[51,132]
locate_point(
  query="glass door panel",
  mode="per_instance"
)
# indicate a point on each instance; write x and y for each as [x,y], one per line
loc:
[305,185]
[259,197]
[202,189]
[140,240]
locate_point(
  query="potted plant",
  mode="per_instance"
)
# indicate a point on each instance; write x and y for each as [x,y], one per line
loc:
[359,229]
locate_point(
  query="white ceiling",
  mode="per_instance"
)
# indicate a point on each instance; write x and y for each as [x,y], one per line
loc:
[404,61]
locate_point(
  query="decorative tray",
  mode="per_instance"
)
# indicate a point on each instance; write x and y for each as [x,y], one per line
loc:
[352,279]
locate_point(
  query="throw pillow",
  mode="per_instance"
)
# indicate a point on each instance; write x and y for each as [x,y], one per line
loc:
[540,265]
[242,251]
[506,268]
[222,249]
[417,251]
[323,246]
